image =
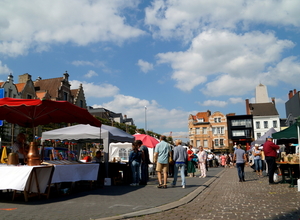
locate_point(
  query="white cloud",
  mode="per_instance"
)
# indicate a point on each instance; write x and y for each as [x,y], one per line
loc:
[95,63]
[90,74]
[98,91]
[82,22]
[288,71]
[145,66]
[216,103]
[4,69]
[233,62]
[185,19]
[236,100]
[157,117]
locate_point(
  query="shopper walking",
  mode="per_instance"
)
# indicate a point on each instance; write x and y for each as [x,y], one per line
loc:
[240,158]
[161,157]
[179,157]
[202,157]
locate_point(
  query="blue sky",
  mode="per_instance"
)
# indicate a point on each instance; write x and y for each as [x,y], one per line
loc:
[175,57]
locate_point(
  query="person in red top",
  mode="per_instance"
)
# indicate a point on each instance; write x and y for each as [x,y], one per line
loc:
[270,151]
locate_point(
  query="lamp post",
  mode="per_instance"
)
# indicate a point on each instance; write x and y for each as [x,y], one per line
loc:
[146,119]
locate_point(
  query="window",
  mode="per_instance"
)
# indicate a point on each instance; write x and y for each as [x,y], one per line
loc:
[221,142]
[204,131]
[237,133]
[216,142]
[197,130]
[81,103]
[65,96]
[266,124]
[258,125]
[274,124]
[198,143]
[191,130]
[205,144]
[217,120]
[123,154]
[29,96]
[218,130]
[200,120]
[258,135]
[242,122]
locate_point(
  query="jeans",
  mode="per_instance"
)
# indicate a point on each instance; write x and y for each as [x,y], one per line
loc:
[182,173]
[271,168]
[258,164]
[135,169]
[240,168]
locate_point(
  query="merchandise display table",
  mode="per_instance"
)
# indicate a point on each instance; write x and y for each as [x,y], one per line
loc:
[29,179]
[75,172]
[289,170]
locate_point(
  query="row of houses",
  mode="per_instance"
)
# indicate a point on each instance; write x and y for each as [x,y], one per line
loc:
[219,132]
[56,89]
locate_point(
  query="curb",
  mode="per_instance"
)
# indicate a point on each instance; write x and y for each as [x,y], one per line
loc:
[188,198]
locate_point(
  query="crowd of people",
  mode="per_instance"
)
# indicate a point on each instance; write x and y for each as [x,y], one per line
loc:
[169,160]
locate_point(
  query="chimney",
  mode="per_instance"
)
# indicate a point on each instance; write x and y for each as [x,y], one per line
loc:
[273,100]
[24,78]
[208,113]
[290,94]
[295,91]
[247,107]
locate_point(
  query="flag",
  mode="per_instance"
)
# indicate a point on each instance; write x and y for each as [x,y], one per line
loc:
[4,155]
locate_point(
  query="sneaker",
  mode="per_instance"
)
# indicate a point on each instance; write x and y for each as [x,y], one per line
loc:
[183,187]
[132,184]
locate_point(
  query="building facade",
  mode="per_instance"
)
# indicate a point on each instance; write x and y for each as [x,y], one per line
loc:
[292,107]
[240,129]
[209,130]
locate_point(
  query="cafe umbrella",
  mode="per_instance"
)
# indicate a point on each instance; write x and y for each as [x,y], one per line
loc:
[30,113]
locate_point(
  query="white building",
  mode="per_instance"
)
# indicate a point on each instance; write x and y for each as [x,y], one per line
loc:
[265,114]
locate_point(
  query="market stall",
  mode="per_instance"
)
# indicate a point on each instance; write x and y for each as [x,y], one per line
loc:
[31,113]
[86,133]
[28,179]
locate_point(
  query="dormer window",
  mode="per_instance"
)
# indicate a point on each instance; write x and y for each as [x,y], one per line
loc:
[200,119]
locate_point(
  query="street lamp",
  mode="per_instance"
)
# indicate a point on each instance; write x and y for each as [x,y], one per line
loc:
[146,119]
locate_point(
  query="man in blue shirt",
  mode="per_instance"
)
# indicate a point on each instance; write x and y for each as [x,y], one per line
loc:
[240,158]
[161,158]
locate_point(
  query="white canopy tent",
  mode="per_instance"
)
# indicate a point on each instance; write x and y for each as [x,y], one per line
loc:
[87,133]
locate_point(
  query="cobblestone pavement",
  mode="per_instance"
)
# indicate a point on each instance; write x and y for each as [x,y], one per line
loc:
[226,198]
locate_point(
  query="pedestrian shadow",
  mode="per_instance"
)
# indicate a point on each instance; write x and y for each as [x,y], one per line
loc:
[288,216]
